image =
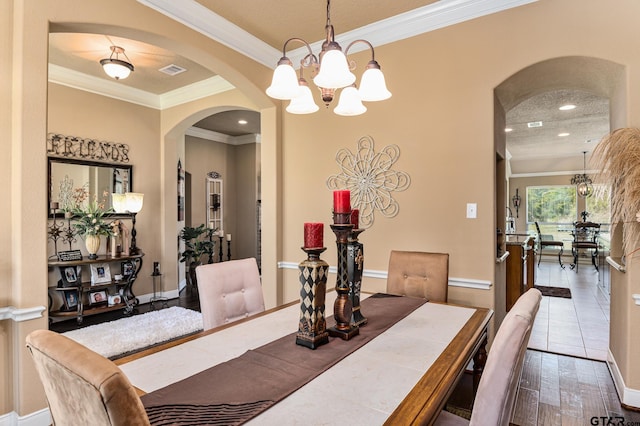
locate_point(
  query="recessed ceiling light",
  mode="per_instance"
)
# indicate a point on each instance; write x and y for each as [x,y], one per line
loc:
[563,134]
[242,122]
[567,107]
[508,129]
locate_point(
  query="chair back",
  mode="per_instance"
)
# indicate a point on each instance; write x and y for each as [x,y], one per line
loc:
[229,291]
[81,386]
[496,395]
[419,274]
[586,231]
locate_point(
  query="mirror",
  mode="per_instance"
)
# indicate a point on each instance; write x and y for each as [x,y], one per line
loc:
[65,175]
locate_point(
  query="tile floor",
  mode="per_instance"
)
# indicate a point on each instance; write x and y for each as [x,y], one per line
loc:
[578,326]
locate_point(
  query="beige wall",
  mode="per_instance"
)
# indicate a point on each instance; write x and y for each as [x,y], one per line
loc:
[441,116]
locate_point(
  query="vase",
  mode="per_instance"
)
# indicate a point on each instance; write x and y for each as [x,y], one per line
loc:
[92,242]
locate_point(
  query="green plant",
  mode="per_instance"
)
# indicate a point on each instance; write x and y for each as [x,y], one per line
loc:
[198,242]
[90,216]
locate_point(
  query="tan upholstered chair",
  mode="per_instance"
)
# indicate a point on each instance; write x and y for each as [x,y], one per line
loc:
[419,274]
[498,386]
[229,291]
[83,387]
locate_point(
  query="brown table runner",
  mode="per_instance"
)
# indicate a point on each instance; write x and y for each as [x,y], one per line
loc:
[237,390]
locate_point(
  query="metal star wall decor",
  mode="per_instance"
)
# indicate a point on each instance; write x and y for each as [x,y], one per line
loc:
[370,178]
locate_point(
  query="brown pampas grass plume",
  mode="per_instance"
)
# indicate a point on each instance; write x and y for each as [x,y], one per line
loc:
[617,157]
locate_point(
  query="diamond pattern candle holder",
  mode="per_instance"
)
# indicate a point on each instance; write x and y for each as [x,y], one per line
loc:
[312,328]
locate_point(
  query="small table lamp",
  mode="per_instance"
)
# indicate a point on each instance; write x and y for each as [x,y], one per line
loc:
[134,202]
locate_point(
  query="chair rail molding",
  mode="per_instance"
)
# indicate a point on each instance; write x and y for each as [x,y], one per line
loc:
[22,314]
[636,297]
[371,273]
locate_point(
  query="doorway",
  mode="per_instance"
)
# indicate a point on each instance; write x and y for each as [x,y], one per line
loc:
[576,326]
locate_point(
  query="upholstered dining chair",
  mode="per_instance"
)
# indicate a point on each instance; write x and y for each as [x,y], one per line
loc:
[546,241]
[229,291]
[81,386]
[419,274]
[497,390]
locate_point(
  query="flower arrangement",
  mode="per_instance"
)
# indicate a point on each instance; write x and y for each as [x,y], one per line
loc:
[90,216]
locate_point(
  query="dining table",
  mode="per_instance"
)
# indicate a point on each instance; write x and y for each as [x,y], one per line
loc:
[401,371]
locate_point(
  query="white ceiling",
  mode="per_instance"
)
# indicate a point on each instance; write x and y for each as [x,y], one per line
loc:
[74,61]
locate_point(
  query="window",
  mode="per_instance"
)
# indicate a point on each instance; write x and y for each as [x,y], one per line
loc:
[598,205]
[551,204]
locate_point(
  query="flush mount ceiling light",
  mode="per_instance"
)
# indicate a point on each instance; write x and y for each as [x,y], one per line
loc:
[116,67]
[332,72]
[567,107]
[583,182]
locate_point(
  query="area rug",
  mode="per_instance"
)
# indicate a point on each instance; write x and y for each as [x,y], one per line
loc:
[126,335]
[554,291]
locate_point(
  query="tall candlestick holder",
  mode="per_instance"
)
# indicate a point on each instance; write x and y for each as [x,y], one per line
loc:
[312,327]
[342,308]
[55,232]
[220,259]
[355,261]
[228,250]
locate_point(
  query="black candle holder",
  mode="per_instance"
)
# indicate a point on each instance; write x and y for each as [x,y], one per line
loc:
[343,307]
[220,259]
[228,250]
[312,327]
[355,262]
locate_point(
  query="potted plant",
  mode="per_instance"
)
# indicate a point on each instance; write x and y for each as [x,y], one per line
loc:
[198,242]
[90,221]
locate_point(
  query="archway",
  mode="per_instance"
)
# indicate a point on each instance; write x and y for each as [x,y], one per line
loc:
[593,75]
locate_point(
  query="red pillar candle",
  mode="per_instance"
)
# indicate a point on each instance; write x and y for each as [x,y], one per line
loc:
[355,217]
[313,235]
[342,201]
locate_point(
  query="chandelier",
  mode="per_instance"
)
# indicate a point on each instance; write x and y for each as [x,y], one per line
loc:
[116,67]
[583,182]
[332,72]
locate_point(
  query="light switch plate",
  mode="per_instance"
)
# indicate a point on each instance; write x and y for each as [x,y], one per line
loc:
[472,210]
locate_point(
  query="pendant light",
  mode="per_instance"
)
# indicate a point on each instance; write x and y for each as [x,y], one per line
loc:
[116,67]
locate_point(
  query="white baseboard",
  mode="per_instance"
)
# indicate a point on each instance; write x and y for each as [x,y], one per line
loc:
[629,397]
[370,273]
[38,418]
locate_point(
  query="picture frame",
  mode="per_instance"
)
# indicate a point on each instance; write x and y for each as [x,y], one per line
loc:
[70,276]
[98,297]
[114,299]
[100,273]
[70,300]
[127,269]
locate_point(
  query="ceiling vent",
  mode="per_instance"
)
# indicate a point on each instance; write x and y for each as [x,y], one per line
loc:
[534,124]
[172,69]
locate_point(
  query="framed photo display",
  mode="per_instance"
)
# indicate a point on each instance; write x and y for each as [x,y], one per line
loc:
[98,297]
[70,276]
[126,269]
[100,273]
[70,300]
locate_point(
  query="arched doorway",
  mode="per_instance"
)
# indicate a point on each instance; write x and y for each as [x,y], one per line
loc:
[594,77]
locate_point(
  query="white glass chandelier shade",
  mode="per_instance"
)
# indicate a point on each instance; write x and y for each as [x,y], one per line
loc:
[334,70]
[116,67]
[119,202]
[303,103]
[350,103]
[284,84]
[134,201]
[373,86]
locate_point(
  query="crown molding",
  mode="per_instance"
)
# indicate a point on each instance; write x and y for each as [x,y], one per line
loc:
[421,20]
[100,86]
[210,135]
